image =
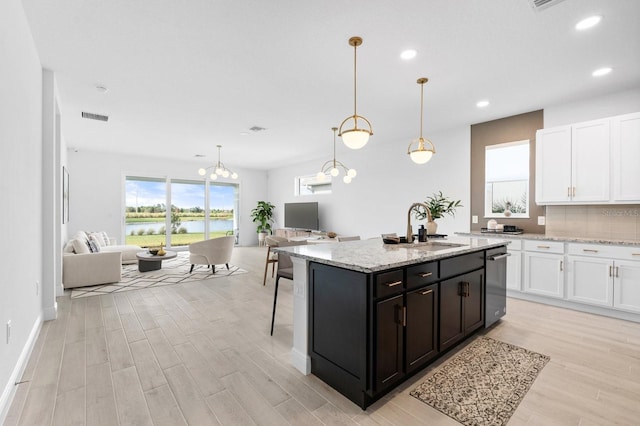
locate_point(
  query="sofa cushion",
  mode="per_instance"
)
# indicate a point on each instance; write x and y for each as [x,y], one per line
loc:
[98,238]
[80,247]
[94,247]
[107,240]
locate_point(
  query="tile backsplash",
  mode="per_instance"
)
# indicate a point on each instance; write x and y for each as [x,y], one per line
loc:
[617,222]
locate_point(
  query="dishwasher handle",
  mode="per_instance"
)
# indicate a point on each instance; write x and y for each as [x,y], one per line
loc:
[499,256]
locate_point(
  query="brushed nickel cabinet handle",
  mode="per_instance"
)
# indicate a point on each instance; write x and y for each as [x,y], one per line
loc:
[562,265]
[610,270]
[404,316]
[393,284]
[635,254]
[568,192]
[590,250]
[544,247]
[426,292]
[617,272]
[573,193]
[425,274]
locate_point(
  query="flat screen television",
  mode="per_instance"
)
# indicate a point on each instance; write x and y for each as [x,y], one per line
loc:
[301,216]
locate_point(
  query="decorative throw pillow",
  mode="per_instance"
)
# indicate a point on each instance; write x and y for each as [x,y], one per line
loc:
[93,246]
[98,238]
[79,247]
[107,241]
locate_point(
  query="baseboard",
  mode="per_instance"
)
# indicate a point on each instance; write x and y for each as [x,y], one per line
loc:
[10,388]
[50,313]
[302,362]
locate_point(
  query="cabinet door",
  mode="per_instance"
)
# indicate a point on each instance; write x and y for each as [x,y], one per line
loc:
[389,341]
[625,154]
[626,287]
[421,331]
[544,274]
[473,302]
[590,175]
[553,165]
[451,327]
[514,271]
[590,280]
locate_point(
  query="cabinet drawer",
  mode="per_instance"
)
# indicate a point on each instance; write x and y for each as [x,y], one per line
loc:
[388,283]
[516,245]
[544,246]
[605,251]
[461,264]
[425,273]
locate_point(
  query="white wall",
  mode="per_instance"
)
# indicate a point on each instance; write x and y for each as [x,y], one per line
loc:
[20,194]
[97,184]
[377,200]
[592,109]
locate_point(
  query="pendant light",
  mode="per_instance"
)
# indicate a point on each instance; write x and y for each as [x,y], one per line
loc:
[218,169]
[421,155]
[355,138]
[332,166]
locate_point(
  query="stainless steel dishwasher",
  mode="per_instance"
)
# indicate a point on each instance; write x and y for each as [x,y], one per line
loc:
[496,288]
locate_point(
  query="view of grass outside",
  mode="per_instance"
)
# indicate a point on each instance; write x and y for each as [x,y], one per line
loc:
[146,212]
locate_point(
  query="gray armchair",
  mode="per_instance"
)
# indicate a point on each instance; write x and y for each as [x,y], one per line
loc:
[216,251]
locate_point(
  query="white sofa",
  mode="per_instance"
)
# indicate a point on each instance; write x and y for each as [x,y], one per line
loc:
[94,258]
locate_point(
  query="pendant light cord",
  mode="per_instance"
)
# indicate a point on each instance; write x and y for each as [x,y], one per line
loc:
[355,72]
[421,106]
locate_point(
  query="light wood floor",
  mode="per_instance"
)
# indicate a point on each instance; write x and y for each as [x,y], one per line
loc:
[201,354]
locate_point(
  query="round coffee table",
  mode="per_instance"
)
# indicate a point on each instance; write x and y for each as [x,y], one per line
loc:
[149,262]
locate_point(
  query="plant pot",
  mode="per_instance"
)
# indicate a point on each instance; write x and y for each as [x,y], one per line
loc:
[261,237]
[432,228]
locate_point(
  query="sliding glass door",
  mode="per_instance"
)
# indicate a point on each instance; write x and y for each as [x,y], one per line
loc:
[197,210]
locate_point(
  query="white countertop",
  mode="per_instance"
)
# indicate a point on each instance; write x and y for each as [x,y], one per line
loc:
[551,238]
[373,255]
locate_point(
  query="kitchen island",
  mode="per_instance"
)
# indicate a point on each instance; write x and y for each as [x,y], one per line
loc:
[367,315]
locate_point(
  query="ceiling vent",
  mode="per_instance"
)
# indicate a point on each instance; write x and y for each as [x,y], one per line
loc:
[257,129]
[539,5]
[95,116]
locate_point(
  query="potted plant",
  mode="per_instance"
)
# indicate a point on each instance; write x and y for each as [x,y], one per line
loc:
[263,215]
[439,206]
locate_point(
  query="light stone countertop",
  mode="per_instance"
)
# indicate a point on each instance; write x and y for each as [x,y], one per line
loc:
[544,237]
[374,256]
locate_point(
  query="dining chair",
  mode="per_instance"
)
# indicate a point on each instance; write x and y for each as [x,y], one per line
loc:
[285,270]
[272,258]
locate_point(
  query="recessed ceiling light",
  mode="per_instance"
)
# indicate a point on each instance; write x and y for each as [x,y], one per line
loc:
[601,71]
[482,104]
[588,22]
[408,54]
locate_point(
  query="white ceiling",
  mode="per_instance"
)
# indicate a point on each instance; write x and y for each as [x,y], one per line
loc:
[185,75]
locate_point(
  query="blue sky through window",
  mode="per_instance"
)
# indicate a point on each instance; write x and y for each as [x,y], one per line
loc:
[148,192]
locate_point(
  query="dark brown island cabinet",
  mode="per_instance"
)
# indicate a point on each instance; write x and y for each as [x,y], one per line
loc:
[370,331]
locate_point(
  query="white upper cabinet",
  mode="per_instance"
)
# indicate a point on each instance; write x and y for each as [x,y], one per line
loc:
[553,165]
[626,158]
[595,162]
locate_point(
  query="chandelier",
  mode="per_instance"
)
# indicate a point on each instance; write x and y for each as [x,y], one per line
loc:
[421,155]
[333,167]
[218,169]
[355,138]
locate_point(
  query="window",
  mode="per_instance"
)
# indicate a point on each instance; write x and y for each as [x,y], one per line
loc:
[198,210]
[310,185]
[507,180]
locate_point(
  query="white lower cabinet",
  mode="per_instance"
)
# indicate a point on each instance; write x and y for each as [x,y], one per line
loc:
[544,268]
[514,266]
[590,280]
[626,286]
[604,275]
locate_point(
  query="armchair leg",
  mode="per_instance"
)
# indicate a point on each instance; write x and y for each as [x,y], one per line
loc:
[191,270]
[227,266]
[213,269]
[275,298]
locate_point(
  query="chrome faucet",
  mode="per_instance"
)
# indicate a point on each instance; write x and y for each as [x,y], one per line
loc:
[409,230]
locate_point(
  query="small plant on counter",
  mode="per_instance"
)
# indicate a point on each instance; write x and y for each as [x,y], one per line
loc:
[439,206]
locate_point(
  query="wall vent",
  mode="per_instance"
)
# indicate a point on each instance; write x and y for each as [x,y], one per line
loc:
[92,116]
[539,5]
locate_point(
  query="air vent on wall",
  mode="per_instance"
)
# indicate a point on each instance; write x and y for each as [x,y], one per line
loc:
[95,116]
[543,4]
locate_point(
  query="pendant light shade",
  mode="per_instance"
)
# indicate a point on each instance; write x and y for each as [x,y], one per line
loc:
[356,137]
[422,153]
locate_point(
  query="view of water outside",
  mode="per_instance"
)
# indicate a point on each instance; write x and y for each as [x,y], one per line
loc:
[146,211]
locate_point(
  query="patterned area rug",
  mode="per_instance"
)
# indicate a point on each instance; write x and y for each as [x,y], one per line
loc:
[483,384]
[174,271]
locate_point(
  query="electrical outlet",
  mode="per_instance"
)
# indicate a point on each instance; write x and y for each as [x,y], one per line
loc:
[474,219]
[541,220]
[8,331]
